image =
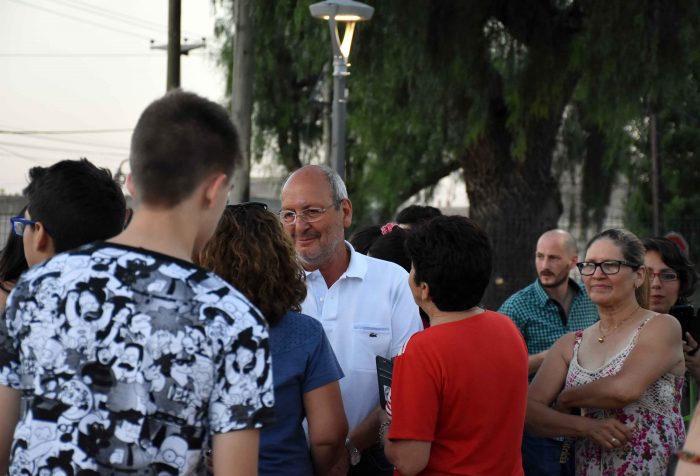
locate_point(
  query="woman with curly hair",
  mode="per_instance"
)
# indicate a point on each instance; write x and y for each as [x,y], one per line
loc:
[251,251]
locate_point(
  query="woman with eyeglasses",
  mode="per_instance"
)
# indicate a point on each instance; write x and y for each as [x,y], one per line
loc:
[251,251]
[616,385]
[671,274]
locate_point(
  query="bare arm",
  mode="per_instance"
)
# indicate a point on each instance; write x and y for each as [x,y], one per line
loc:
[543,420]
[327,426]
[9,416]
[409,457]
[692,444]
[658,351]
[236,453]
[534,362]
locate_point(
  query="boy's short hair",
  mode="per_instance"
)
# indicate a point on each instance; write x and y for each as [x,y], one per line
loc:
[77,203]
[179,140]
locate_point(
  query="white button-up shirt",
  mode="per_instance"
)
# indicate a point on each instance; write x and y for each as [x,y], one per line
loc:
[368,311]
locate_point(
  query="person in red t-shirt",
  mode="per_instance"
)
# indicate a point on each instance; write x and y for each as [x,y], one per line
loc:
[459,388]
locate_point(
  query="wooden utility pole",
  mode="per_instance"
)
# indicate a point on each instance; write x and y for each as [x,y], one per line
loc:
[242,93]
[174,13]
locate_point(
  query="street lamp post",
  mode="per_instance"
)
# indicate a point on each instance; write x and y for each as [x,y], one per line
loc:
[348,12]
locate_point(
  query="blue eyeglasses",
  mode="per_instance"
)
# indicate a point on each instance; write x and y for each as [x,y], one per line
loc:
[18,225]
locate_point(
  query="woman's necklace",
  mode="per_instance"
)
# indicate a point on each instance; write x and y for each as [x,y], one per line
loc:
[602,337]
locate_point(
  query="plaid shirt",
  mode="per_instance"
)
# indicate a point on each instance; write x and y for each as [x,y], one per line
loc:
[541,319]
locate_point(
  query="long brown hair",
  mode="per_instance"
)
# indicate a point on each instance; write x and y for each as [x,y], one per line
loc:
[252,252]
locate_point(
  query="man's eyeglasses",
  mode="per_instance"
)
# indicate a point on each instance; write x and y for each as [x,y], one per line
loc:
[308,215]
[587,268]
[239,207]
[18,225]
[664,276]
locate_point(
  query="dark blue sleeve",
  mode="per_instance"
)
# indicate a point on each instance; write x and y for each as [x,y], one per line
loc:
[322,367]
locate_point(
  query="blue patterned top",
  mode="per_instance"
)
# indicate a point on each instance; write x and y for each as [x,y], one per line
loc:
[539,317]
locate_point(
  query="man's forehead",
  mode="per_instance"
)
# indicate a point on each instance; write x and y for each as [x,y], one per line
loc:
[551,245]
[307,189]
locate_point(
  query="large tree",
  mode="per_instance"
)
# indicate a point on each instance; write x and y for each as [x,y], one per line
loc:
[480,86]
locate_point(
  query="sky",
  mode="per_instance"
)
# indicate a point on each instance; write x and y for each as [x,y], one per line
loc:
[87,65]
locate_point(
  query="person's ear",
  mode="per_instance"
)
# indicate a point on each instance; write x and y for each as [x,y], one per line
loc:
[213,188]
[346,208]
[574,260]
[42,243]
[425,292]
[130,185]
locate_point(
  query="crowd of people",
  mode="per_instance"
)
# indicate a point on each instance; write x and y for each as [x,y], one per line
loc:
[193,336]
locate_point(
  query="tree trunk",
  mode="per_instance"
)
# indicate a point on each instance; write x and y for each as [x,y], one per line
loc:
[514,200]
[242,94]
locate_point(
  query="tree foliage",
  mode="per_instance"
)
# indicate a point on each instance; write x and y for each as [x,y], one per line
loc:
[483,86]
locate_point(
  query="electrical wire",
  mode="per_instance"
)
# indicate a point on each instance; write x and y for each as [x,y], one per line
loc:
[79,55]
[120,148]
[81,20]
[59,149]
[83,131]
[122,17]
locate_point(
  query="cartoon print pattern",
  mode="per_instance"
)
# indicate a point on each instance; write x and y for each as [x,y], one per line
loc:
[126,361]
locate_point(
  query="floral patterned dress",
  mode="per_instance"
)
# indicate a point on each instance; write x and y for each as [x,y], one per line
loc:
[655,419]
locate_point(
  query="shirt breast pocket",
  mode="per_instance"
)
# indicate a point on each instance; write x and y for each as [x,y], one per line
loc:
[369,341]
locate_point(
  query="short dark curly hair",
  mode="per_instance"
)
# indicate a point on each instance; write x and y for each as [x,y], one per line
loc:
[453,256]
[416,214]
[251,251]
[671,254]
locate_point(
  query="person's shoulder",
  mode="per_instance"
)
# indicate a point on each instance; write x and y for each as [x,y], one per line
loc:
[302,322]
[379,266]
[522,297]
[665,323]
[294,331]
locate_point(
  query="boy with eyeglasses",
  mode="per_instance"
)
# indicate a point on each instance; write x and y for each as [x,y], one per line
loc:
[70,203]
[109,379]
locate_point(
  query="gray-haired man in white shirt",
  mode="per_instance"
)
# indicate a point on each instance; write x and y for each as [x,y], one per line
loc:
[364,304]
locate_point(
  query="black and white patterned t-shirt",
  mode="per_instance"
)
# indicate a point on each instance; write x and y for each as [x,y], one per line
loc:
[127,360]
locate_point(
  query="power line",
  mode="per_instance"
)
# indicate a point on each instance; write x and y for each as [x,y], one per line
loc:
[20,156]
[58,149]
[78,142]
[120,16]
[77,55]
[84,131]
[82,20]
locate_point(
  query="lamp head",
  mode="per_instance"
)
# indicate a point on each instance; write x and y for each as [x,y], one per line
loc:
[341,10]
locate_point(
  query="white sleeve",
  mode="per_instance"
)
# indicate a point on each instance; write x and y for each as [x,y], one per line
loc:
[405,319]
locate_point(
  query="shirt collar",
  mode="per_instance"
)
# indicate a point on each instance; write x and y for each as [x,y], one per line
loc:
[543,297]
[356,269]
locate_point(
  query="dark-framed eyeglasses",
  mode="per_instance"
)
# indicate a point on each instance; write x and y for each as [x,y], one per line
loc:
[664,276]
[307,215]
[19,223]
[239,207]
[612,266]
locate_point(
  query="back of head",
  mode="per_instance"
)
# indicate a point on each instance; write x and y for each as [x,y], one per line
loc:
[76,202]
[672,255]
[362,239]
[633,252]
[251,251]
[451,254]
[392,247]
[414,215]
[12,260]
[178,141]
